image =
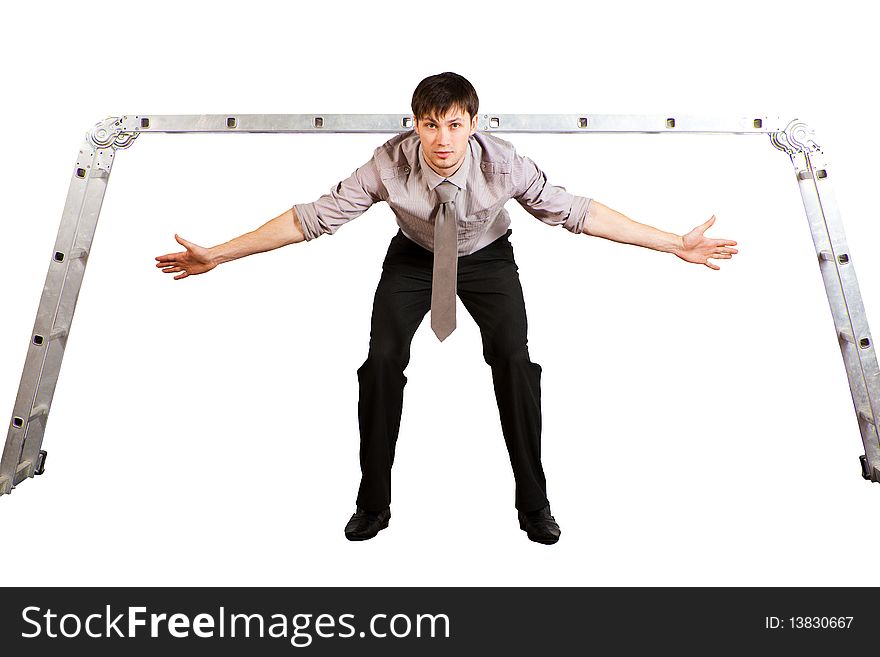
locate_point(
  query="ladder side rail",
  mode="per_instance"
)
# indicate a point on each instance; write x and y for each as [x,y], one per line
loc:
[21,452]
[504,123]
[844,299]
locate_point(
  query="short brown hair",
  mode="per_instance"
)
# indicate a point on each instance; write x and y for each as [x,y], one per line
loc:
[440,93]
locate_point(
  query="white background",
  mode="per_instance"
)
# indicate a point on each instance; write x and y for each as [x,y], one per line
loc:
[698,428]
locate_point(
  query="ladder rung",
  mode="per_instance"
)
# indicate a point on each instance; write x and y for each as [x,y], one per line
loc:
[38,411]
[866,416]
[846,336]
[54,335]
[808,175]
[78,253]
[22,472]
[826,255]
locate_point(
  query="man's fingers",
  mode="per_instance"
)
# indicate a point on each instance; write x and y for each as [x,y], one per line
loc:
[712,265]
[723,242]
[170,256]
[179,276]
[170,263]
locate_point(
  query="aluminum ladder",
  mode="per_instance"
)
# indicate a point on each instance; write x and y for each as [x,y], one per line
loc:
[22,454]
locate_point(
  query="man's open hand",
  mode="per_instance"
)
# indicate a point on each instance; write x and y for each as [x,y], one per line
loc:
[195,260]
[698,248]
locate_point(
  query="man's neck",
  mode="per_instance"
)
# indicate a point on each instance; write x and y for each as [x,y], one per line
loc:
[448,174]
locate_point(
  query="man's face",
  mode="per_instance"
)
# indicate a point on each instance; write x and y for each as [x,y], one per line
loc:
[445,139]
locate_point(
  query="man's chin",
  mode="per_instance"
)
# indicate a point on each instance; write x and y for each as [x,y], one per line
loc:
[444,164]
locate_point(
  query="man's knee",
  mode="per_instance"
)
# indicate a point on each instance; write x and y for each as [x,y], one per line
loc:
[385,356]
[508,356]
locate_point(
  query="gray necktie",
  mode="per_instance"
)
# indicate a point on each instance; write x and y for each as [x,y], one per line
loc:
[445,263]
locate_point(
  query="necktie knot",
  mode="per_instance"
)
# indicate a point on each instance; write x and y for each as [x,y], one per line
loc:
[446,191]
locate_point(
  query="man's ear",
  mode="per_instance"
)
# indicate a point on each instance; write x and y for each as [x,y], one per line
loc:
[474,120]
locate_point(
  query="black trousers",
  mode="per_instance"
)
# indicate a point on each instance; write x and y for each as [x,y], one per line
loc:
[489,287]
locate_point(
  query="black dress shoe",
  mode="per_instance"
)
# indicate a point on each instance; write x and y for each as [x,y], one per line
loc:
[364,525]
[540,526]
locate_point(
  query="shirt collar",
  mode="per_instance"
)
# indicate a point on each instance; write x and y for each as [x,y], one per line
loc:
[459,178]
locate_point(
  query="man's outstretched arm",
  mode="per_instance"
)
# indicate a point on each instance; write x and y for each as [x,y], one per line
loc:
[284,229]
[555,206]
[694,246]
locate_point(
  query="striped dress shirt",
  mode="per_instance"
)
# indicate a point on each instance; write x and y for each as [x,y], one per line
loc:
[491,174]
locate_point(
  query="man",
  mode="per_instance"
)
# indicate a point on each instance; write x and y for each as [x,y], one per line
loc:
[447,185]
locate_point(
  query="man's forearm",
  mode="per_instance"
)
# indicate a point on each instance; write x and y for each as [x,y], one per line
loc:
[282,230]
[612,225]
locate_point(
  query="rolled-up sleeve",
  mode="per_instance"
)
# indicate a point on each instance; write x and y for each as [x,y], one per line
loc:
[548,203]
[347,200]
